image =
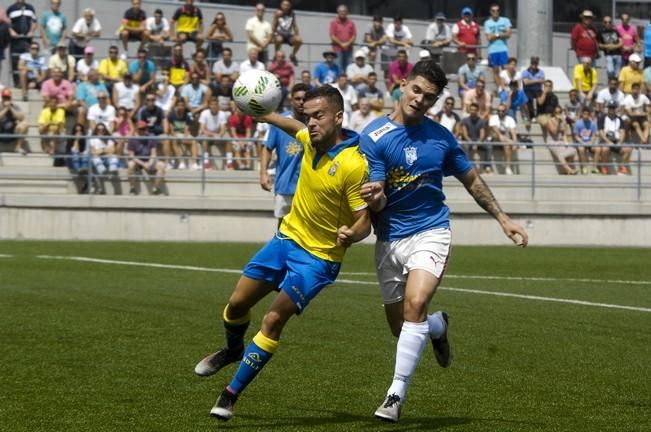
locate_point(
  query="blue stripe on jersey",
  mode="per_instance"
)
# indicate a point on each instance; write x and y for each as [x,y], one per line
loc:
[412,162]
[289,153]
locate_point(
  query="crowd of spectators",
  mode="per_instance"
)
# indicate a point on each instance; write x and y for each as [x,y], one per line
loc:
[180,108]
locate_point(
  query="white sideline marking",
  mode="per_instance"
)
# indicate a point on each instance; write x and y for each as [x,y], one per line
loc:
[526,278]
[346,281]
[6,256]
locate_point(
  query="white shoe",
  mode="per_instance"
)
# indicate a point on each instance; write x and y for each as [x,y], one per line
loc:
[123,56]
[196,167]
[508,171]
[182,165]
[169,166]
[390,409]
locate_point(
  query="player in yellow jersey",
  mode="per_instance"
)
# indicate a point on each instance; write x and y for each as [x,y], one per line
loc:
[327,215]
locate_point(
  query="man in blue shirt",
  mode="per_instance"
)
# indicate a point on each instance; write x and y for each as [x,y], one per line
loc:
[328,71]
[532,83]
[288,157]
[516,100]
[408,155]
[647,43]
[143,71]
[53,26]
[498,30]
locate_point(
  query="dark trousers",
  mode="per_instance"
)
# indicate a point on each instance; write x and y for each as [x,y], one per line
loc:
[17,47]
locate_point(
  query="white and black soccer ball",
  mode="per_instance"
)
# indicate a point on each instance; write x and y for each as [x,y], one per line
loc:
[257,92]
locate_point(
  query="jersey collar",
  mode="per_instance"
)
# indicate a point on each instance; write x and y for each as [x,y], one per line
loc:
[333,151]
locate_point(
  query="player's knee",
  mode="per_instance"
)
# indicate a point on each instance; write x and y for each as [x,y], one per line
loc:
[273,323]
[415,307]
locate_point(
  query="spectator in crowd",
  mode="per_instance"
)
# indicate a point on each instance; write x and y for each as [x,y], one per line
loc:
[448,118]
[628,35]
[86,63]
[226,66]
[610,93]
[342,35]
[398,70]
[60,89]
[285,29]
[285,73]
[612,135]
[585,79]
[222,90]
[76,148]
[328,71]
[358,71]
[133,26]
[635,108]
[479,96]
[157,28]
[51,122]
[87,93]
[586,135]
[187,24]
[178,68]
[532,81]
[4,36]
[126,94]
[646,74]
[84,31]
[647,43]
[101,112]
[32,69]
[466,32]
[196,95]
[469,73]
[252,62]
[143,155]
[112,68]
[200,67]
[631,73]
[438,36]
[177,125]
[212,126]
[374,95]
[508,74]
[501,130]
[62,60]
[583,38]
[516,100]
[347,92]
[498,31]
[611,44]
[165,93]
[143,71]
[306,78]
[547,103]
[375,38]
[399,37]
[123,127]
[12,121]
[474,131]
[562,153]
[240,126]
[259,33]
[152,115]
[361,117]
[22,28]
[103,156]
[572,107]
[53,26]
[217,34]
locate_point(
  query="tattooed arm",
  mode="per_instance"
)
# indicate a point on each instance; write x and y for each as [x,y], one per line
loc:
[477,187]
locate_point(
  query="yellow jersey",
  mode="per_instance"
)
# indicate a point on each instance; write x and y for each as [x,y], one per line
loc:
[112,70]
[587,80]
[629,76]
[327,195]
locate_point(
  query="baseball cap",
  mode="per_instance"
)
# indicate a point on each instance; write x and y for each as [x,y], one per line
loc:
[587,13]
[6,93]
[62,44]
[439,15]
[360,53]
[89,50]
[424,54]
[635,58]
[466,11]
[612,104]
[329,53]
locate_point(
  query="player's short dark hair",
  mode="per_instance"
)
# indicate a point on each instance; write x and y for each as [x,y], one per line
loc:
[377,18]
[474,105]
[329,93]
[449,98]
[371,74]
[432,72]
[298,87]
[158,12]
[397,18]
[635,84]
[227,49]
[586,109]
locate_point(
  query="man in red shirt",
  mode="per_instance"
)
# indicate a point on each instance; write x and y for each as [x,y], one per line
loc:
[285,73]
[465,32]
[584,37]
[343,34]
[240,125]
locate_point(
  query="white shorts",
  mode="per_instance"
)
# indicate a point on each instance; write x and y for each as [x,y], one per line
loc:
[427,250]
[282,205]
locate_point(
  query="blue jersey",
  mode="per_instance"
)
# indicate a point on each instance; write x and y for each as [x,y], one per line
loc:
[412,162]
[500,26]
[288,153]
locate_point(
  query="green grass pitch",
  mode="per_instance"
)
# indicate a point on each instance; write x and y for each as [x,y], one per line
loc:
[89,346]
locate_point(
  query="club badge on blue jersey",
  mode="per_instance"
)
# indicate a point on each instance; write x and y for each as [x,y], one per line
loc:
[411,155]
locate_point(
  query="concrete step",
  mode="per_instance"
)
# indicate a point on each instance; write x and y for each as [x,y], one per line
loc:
[33,159]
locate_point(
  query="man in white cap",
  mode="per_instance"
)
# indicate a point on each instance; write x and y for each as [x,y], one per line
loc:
[358,71]
[631,73]
[584,37]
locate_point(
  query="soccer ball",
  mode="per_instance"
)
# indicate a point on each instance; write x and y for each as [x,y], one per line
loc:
[257,92]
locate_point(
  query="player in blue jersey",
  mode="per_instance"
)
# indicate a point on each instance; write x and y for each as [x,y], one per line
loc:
[288,156]
[408,156]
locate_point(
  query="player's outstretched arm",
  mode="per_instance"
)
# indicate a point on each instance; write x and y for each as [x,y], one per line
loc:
[289,125]
[479,190]
[360,229]
[373,194]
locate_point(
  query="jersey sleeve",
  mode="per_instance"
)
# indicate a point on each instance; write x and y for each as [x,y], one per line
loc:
[374,157]
[356,178]
[271,142]
[303,136]
[456,162]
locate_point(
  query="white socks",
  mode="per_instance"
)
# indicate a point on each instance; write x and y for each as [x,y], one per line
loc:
[413,338]
[436,324]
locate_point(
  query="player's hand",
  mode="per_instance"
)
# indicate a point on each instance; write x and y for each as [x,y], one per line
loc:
[345,236]
[265,182]
[516,233]
[372,192]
